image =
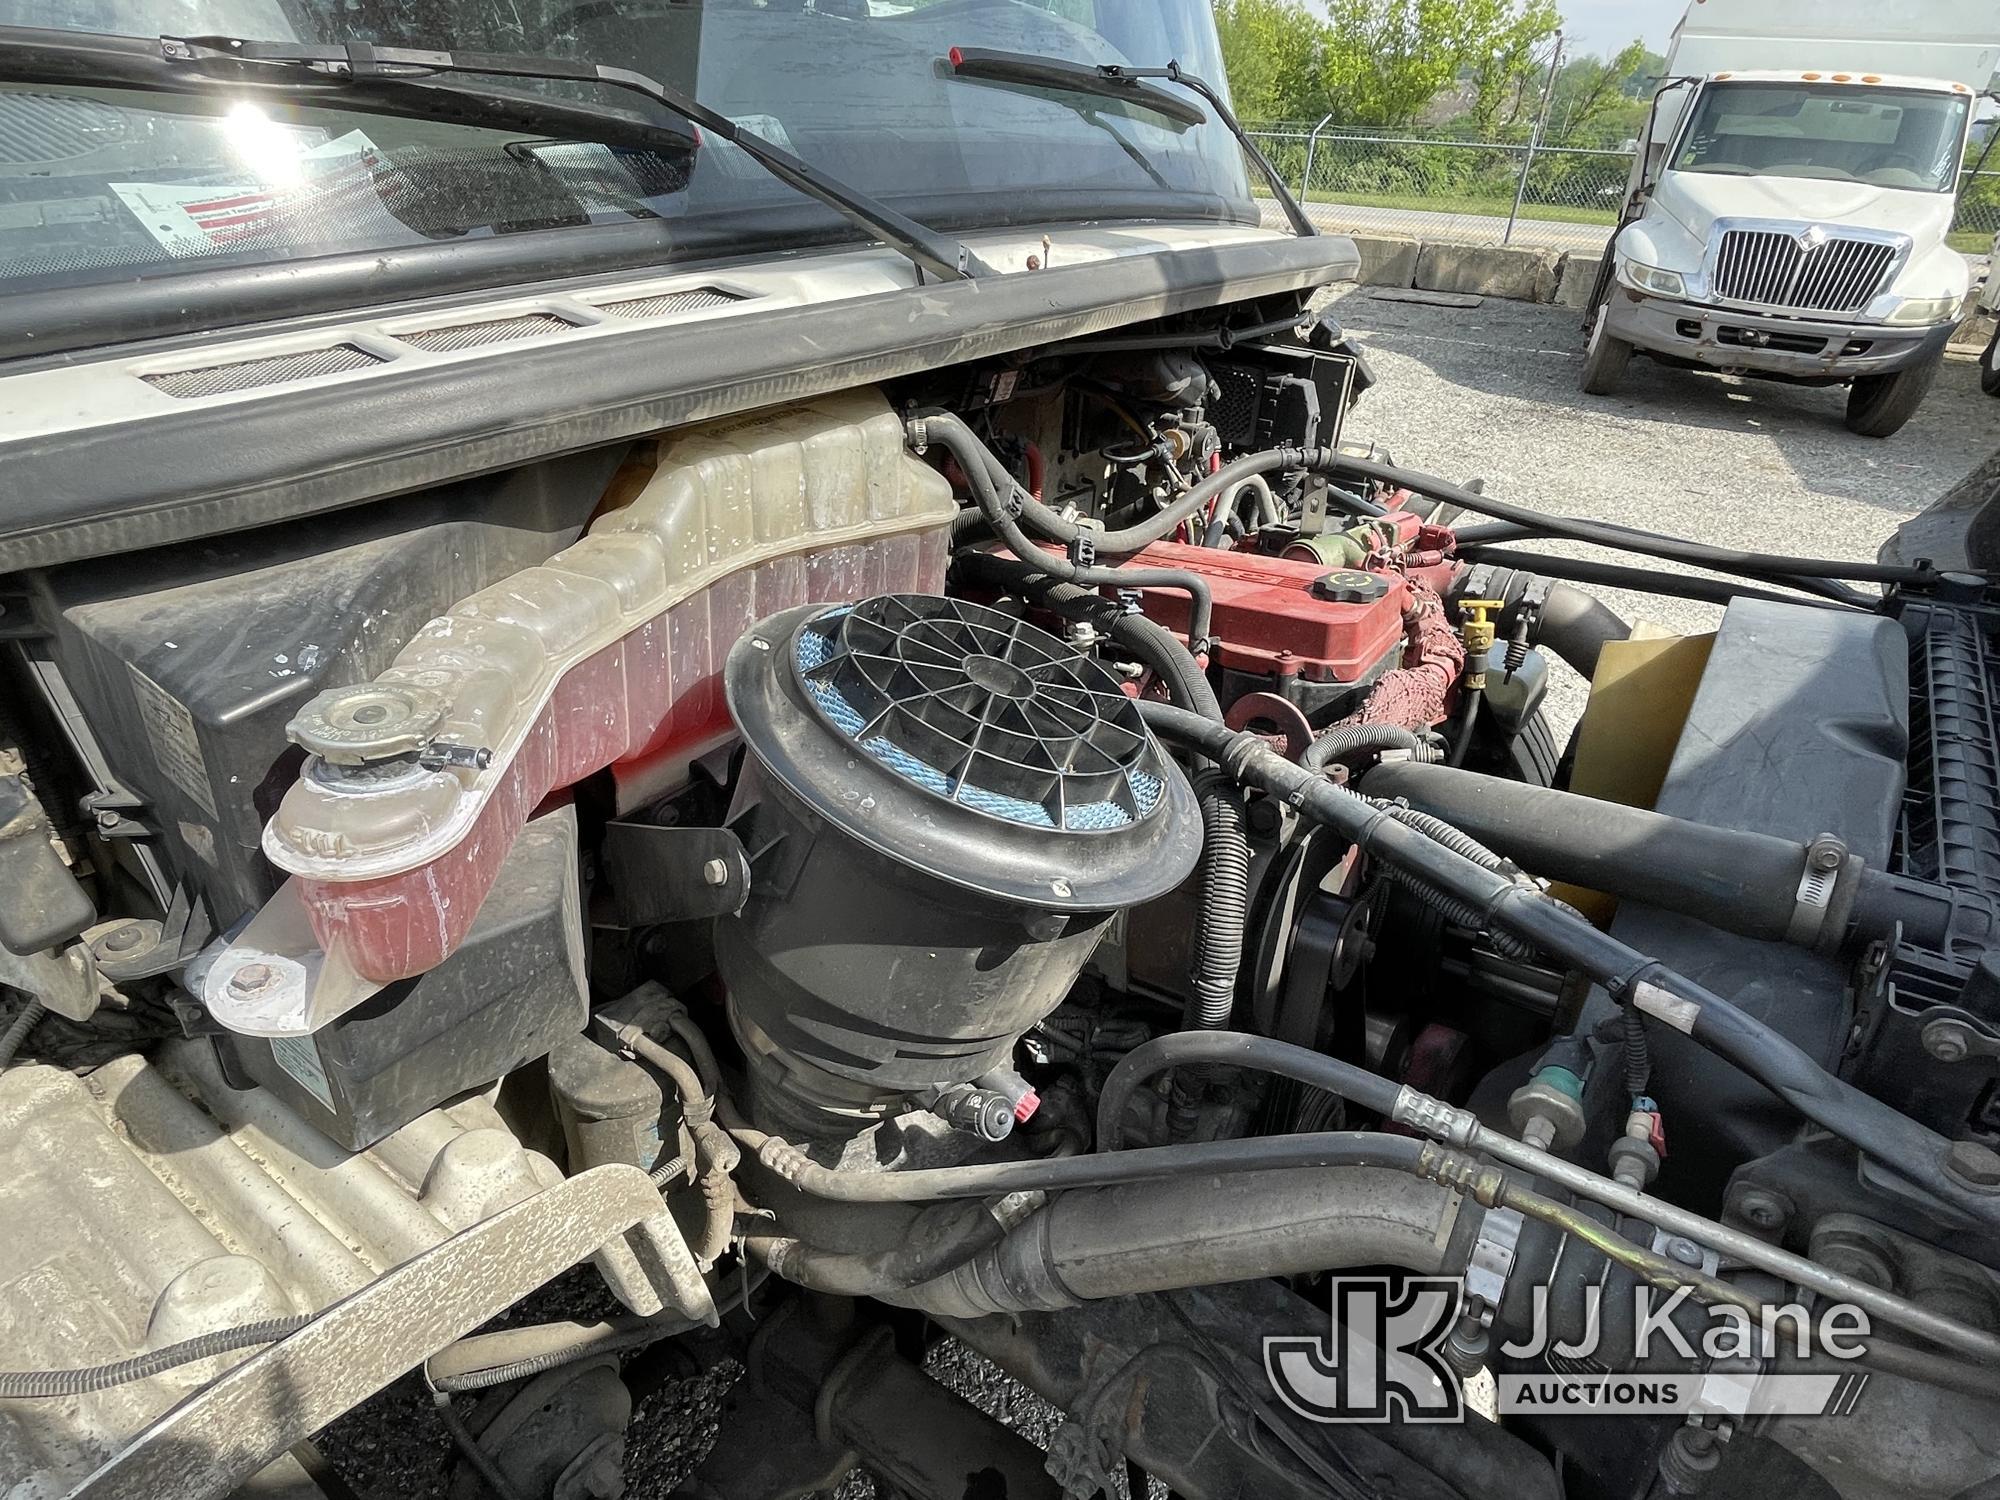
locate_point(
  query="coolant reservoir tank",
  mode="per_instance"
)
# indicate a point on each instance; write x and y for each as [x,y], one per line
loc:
[418,783]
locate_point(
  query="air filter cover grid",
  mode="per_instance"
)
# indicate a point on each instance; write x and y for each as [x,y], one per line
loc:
[969,744]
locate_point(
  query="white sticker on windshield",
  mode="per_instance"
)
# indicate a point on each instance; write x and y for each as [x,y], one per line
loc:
[202,218]
[766,127]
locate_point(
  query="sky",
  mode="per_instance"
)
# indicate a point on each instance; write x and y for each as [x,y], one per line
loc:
[1603,26]
[1606,25]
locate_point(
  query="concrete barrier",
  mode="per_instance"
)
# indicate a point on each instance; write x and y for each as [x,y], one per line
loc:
[1489,271]
[1387,262]
[1577,279]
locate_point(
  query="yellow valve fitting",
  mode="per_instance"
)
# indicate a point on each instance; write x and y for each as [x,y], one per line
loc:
[1477,625]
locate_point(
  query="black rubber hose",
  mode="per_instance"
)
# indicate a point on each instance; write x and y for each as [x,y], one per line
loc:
[1578,626]
[715,1152]
[1815,592]
[1360,739]
[965,446]
[984,474]
[31,1385]
[18,1029]
[1622,538]
[924,1185]
[1898,1143]
[1575,625]
[1236,1049]
[942,1238]
[1733,879]
[1638,580]
[1154,645]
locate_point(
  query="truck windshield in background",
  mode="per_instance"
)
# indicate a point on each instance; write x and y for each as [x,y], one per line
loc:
[104,184]
[1885,137]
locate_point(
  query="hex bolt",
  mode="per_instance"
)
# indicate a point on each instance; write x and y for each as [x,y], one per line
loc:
[120,939]
[1974,1165]
[1539,1132]
[715,872]
[1686,1251]
[251,978]
[1946,1041]
[1762,1210]
[1825,855]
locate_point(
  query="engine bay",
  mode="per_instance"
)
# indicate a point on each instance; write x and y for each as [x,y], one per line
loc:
[1067,852]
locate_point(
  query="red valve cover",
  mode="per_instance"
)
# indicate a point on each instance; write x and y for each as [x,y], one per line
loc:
[1268,620]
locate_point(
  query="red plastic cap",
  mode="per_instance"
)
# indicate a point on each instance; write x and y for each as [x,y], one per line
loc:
[957,57]
[1025,1106]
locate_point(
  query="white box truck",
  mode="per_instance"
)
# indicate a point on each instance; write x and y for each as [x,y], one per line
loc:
[1790,202]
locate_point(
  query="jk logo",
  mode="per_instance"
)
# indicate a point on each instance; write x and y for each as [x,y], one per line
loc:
[1381,1361]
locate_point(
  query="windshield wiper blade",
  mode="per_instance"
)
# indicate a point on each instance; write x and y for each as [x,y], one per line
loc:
[105,60]
[1116,81]
[239,59]
[1029,71]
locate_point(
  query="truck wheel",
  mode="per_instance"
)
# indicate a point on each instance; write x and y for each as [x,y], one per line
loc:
[1989,365]
[1880,404]
[1604,357]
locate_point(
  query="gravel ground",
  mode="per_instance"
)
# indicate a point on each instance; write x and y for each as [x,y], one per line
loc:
[1489,392]
[1492,392]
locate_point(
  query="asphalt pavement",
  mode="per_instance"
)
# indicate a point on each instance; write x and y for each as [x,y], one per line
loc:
[1491,392]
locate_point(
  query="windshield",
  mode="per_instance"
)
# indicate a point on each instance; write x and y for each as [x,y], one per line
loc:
[102,184]
[1892,138]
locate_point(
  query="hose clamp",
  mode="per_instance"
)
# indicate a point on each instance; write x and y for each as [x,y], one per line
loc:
[1826,856]
[1491,1262]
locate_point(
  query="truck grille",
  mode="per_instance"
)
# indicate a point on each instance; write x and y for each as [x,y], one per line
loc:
[1770,269]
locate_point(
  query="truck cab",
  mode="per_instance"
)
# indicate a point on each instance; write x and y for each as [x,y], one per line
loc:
[1792,222]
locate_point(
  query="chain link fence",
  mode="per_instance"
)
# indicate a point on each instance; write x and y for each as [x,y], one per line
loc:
[1432,184]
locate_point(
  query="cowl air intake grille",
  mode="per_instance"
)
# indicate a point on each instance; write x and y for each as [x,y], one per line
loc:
[276,369]
[458,336]
[666,304]
[983,710]
[1774,269]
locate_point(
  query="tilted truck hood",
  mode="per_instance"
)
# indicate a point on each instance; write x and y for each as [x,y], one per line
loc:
[1695,200]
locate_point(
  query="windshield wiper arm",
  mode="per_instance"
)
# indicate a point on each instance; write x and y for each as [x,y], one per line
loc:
[104,60]
[239,58]
[1116,81]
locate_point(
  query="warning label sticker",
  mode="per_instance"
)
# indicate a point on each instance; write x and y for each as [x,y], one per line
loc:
[299,1056]
[170,730]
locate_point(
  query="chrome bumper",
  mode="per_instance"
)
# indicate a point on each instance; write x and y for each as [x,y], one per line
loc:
[1803,348]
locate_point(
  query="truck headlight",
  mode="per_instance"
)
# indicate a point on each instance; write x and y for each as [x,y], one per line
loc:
[1914,310]
[1655,279]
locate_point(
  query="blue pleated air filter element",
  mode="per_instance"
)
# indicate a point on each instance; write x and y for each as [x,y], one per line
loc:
[983,710]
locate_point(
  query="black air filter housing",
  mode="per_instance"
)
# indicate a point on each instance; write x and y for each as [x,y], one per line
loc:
[943,806]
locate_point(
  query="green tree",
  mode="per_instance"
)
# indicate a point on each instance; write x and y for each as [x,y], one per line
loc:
[1383,62]
[1274,51]
[1603,100]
